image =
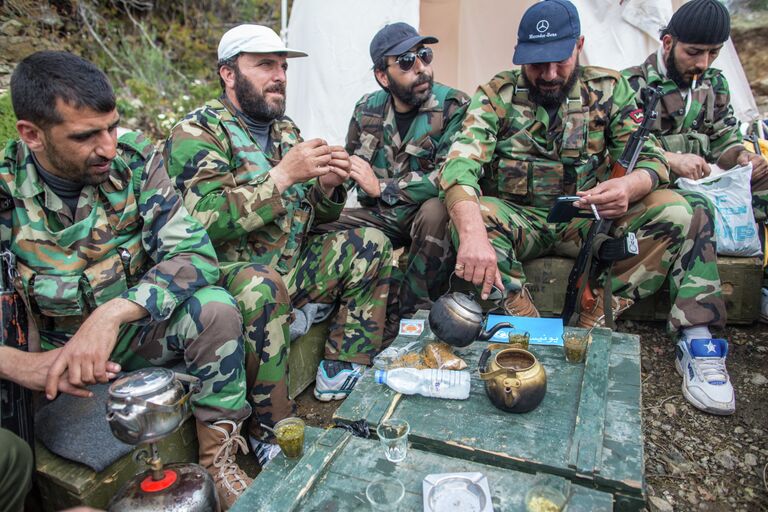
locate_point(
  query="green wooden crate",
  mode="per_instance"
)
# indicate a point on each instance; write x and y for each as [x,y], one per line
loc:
[63,483]
[741,280]
[587,428]
[304,356]
[337,467]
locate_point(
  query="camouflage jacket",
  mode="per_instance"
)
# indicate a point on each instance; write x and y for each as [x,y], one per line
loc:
[507,147]
[129,237]
[407,169]
[707,129]
[224,178]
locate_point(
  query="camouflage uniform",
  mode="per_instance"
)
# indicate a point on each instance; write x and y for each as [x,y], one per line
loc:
[129,237]
[408,210]
[510,151]
[707,129]
[224,178]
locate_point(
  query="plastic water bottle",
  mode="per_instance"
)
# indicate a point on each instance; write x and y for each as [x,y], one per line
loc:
[435,383]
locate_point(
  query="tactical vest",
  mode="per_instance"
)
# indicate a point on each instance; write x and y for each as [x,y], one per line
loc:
[700,117]
[250,164]
[66,272]
[524,171]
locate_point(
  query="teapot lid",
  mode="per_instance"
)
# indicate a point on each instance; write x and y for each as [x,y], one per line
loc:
[467,301]
[141,382]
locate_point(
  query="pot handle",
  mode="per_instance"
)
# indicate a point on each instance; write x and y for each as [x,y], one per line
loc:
[194,387]
[483,362]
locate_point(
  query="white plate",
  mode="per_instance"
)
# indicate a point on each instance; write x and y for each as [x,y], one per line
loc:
[464,492]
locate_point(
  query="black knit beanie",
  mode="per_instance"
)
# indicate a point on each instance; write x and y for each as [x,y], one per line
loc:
[700,22]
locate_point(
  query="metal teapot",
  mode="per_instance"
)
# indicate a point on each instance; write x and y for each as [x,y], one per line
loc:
[515,380]
[146,405]
[457,319]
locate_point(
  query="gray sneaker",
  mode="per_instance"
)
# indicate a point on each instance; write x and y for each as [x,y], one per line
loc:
[336,379]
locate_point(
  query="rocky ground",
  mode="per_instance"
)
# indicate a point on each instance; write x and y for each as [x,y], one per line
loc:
[693,461]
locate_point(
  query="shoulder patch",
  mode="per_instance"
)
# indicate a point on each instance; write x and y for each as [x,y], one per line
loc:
[135,141]
[597,73]
[637,115]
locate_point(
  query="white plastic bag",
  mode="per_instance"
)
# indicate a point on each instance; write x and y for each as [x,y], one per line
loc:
[731,194]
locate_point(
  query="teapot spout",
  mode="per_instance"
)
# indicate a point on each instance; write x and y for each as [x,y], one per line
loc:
[486,335]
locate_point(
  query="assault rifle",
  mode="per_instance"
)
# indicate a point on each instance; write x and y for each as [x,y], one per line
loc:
[15,401]
[599,245]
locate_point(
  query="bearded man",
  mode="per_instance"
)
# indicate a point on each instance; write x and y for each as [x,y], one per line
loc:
[397,140]
[246,174]
[553,128]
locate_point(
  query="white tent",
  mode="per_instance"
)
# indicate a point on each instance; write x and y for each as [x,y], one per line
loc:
[477,40]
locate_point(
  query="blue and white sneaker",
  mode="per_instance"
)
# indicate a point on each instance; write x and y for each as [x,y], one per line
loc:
[264,452]
[701,363]
[336,379]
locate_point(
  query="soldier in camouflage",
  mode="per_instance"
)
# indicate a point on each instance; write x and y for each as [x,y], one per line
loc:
[696,125]
[553,128]
[398,138]
[113,270]
[258,188]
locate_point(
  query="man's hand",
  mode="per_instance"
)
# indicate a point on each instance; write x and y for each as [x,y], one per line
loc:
[86,354]
[759,164]
[688,165]
[476,257]
[30,370]
[613,197]
[339,167]
[307,160]
[364,176]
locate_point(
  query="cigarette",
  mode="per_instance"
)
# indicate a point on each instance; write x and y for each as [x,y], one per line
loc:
[693,83]
[594,210]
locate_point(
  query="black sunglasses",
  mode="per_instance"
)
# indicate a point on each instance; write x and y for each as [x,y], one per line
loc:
[408,59]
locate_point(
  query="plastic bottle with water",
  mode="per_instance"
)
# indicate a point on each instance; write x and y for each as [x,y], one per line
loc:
[434,383]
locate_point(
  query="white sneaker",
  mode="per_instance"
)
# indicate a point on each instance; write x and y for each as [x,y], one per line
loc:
[706,384]
[764,306]
[335,380]
[264,452]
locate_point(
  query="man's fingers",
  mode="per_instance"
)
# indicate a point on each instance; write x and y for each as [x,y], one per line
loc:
[66,387]
[315,143]
[87,372]
[52,380]
[113,367]
[499,283]
[490,276]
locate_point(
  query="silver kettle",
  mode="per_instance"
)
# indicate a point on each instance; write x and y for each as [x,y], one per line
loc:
[457,319]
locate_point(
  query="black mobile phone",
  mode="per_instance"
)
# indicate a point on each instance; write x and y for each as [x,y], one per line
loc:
[563,210]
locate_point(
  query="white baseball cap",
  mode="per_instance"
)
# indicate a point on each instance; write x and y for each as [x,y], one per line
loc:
[253,39]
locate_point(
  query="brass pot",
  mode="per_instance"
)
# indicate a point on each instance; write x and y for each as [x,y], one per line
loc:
[515,380]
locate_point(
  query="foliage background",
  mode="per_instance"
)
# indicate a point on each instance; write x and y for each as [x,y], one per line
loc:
[159,55]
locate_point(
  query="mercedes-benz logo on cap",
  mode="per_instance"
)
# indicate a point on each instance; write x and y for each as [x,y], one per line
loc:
[542,26]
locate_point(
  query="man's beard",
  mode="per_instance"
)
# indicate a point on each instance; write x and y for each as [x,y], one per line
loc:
[553,97]
[672,71]
[253,104]
[406,94]
[73,172]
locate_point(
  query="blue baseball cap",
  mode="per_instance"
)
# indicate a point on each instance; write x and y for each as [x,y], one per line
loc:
[396,39]
[547,32]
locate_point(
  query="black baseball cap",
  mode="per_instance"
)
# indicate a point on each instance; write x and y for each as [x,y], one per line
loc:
[547,32]
[396,39]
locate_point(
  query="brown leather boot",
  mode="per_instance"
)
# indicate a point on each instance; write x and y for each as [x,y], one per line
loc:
[520,303]
[219,444]
[596,315]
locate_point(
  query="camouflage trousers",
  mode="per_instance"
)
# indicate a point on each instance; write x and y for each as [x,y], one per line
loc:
[760,207]
[265,306]
[424,230]
[205,332]
[676,240]
[351,268]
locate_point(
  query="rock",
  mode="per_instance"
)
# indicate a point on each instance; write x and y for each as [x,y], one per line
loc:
[659,504]
[11,28]
[726,459]
[739,430]
[670,409]
[750,459]
[758,379]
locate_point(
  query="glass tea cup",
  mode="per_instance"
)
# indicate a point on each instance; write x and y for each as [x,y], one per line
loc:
[393,434]
[290,437]
[385,493]
[575,346]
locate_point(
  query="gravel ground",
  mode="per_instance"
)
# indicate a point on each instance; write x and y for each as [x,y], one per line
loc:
[693,460]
